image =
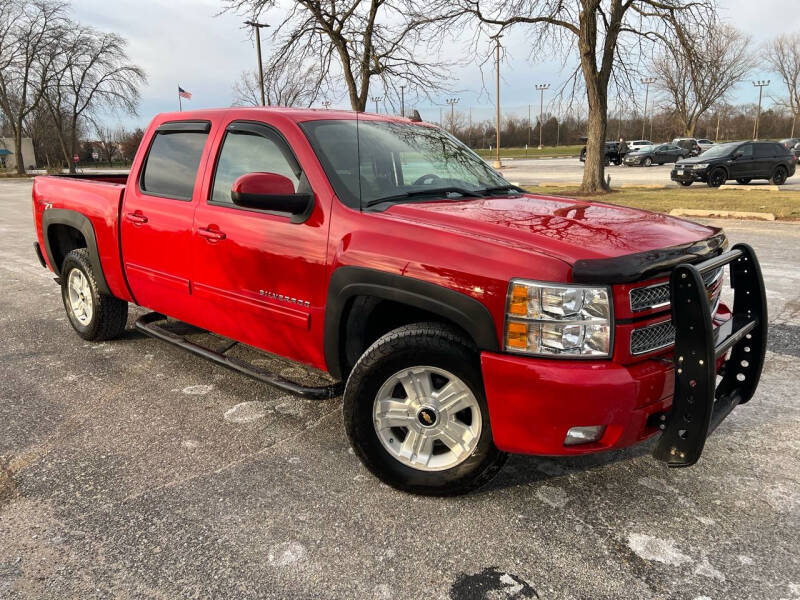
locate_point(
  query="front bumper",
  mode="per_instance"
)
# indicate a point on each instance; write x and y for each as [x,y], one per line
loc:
[687,174]
[533,402]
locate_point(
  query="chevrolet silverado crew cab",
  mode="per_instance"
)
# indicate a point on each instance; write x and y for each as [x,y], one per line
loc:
[460,317]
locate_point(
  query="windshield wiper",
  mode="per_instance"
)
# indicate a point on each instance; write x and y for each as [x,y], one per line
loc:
[502,188]
[433,191]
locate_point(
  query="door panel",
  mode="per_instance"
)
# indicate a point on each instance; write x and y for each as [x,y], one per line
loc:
[745,165]
[261,281]
[158,217]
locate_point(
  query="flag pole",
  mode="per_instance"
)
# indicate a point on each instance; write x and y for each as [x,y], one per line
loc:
[180,105]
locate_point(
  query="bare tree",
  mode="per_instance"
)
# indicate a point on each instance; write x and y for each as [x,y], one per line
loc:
[93,73]
[28,34]
[129,143]
[283,86]
[783,56]
[698,67]
[357,41]
[109,141]
[608,35]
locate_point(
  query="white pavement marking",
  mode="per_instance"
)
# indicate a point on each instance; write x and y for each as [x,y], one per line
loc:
[649,547]
[246,412]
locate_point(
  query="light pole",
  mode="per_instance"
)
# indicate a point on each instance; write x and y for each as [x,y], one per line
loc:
[541,87]
[257,26]
[452,102]
[496,38]
[646,81]
[402,101]
[376,99]
[760,84]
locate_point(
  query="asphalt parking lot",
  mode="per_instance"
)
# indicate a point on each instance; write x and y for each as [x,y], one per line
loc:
[570,171]
[129,469]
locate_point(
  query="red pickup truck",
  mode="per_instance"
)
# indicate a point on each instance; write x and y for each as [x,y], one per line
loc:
[461,318]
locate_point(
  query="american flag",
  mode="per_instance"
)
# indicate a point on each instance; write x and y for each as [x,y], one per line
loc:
[184,94]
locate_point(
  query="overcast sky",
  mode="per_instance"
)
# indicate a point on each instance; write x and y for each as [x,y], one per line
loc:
[183,42]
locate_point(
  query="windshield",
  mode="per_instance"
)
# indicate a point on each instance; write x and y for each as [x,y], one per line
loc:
[644,148]
[368,161]
[719,150]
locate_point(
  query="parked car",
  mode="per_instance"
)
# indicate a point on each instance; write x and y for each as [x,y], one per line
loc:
[797,151]
[689,144]
[742,161]
[637,144]
[659,154]
[612,153]
[790,143]
[461,317]
[704,144]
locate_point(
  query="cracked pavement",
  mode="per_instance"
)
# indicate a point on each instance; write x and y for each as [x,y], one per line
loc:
[130,469]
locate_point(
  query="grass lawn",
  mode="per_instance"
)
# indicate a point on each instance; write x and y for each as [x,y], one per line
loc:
[533,152]
[783,204]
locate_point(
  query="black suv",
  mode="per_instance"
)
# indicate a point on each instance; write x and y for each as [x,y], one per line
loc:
[612,153]
[742,161]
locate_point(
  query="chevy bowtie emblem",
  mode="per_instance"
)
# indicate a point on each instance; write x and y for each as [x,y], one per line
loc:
[427,417]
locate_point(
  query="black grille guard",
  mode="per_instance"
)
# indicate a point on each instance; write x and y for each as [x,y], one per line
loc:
[699,404]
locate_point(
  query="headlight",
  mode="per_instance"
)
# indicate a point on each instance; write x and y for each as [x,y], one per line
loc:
[552,319]
[700,166]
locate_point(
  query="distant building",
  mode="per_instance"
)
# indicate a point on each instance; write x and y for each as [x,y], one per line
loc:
[9,161]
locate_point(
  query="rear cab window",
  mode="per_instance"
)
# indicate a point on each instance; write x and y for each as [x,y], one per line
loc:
[170,168]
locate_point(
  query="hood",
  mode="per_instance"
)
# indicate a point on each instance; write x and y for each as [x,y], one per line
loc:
[567,229]
[694,160]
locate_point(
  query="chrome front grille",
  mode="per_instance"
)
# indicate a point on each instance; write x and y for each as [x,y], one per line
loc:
[657,296]
[652,296]
[653,337]
[662,335]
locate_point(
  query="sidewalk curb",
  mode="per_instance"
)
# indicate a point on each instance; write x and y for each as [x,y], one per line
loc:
[721,214]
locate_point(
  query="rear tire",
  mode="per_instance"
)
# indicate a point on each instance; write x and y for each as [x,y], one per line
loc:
[743,180]
[409,376]
[93,315]
[716,178]
[778,176]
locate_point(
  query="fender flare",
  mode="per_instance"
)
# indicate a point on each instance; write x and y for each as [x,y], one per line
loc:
[348,282]
[76,220]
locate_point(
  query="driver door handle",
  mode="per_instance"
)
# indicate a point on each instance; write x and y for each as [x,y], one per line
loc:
[212,235]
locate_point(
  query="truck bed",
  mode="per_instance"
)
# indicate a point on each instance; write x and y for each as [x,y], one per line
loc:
[98,197]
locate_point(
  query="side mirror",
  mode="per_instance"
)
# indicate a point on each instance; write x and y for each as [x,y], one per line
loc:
[271,191]
[737,155]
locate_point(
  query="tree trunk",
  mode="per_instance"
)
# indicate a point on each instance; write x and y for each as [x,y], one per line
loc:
[18,149]
[74,151]
[594,167]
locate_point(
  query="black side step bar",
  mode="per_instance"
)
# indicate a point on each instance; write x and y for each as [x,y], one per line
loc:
[699,404]
[147,324]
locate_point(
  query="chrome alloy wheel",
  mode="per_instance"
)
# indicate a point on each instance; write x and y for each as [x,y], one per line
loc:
[80,296]
[427,418]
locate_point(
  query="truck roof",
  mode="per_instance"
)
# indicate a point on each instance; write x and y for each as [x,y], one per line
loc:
[292,113]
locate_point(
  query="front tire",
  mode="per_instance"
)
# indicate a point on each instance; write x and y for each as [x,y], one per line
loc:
[648,161]
[716,178]
[93,315]
[416,415]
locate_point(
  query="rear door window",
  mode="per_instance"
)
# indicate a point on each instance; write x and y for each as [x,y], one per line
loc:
[764,150]
[171,167]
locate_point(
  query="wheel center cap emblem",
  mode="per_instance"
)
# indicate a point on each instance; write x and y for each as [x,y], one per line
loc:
[427,417]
